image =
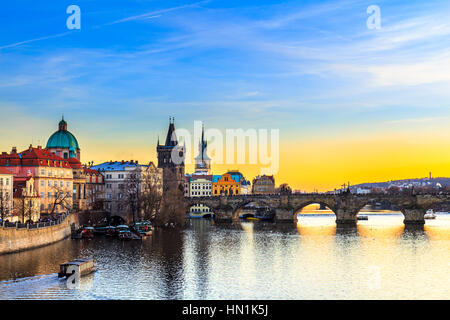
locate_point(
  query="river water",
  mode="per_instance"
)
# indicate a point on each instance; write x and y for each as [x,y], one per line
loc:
[379,259]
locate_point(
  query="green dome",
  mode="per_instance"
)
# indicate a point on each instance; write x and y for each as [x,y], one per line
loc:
[62,139]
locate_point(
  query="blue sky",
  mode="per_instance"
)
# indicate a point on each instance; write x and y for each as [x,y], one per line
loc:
[312,69]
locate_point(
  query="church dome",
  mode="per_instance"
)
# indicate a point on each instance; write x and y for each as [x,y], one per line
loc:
[62,138]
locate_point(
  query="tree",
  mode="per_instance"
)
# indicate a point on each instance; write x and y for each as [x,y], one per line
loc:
[131,199]
[284,189]
[5,203]
[61,198]
[151,196]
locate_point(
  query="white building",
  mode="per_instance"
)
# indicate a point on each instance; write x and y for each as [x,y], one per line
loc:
[6,194]
[199,186]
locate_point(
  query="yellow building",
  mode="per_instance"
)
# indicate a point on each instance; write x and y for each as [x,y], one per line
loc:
[225,184]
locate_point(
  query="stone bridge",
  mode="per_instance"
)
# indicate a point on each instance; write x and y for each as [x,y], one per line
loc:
[344,205]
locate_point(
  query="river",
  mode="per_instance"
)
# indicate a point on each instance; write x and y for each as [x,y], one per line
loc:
[379,259]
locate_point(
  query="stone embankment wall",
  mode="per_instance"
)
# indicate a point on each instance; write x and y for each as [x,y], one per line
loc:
[14,240]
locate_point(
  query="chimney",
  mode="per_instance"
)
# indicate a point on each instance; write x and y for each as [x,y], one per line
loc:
[123,162]
[131,161]
[31,146]
[14,150]
[137,162]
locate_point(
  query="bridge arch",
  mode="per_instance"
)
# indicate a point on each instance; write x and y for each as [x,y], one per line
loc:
[242,204]
[299,205]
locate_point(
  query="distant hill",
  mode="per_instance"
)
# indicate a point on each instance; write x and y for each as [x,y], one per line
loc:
[444,182]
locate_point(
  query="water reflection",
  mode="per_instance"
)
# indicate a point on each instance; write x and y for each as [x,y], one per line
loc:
[313,259]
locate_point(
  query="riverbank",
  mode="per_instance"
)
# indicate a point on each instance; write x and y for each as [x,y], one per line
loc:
[15,240]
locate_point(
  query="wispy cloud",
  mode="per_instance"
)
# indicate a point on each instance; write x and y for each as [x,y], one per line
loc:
[36,39]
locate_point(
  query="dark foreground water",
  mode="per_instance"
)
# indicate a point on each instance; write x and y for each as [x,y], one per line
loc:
[379,259]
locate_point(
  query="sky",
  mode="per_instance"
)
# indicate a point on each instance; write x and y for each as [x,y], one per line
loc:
[352,104]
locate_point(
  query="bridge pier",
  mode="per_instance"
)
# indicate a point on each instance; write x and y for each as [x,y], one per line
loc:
[283,215]
[346,217]
[414,217]
[223,215]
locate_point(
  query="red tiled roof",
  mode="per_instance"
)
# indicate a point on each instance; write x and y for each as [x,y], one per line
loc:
[5,171]
[34,157]
[91,171]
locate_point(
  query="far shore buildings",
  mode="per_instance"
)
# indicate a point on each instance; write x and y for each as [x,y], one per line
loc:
[53,176]
[6,194]
[27,201]
[117,175]
[263,185]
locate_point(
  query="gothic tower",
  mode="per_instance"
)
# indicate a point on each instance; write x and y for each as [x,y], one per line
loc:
[171,160]
[202,161]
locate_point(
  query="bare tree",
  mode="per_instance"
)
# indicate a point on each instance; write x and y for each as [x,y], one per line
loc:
[131,199]
[61,198]
[5,203]
[151,196]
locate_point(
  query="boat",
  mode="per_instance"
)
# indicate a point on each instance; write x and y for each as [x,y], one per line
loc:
[430,214]
[110,231]
[87,232]
[265,214]
[84,266]
[100,230]
[123,232]
[362,218]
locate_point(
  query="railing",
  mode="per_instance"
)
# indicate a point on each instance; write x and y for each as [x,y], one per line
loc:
[36,225]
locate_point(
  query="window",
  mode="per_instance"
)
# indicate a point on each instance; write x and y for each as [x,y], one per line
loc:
[108,176]
[62,184]
[120,176]
[42,172]
[68,183]
[42,183]
[42,195]
[56,183]
[49,183]
[108,186]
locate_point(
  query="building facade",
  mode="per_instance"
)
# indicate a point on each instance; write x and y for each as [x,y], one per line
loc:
[263,185]
[53,176]
[200,186]
[6,194]
[117,175]
[225,184]
[26,200]
[95,189]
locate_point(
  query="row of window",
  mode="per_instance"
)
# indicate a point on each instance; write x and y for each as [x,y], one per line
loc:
[54,183]
[55,194]
[201,193]
[56,172]
[6,181]
[119,176]
[201,186]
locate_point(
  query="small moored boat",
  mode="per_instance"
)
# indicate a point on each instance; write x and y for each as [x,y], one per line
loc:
[87,232]
[430,214]
[362,218]
[84,266]
[110,231]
